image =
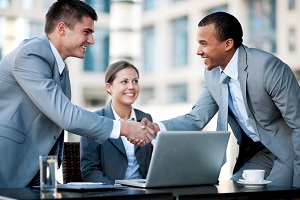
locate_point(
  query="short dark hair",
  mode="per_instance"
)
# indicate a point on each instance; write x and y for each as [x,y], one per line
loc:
[226,25]
[114,68]
[68,11]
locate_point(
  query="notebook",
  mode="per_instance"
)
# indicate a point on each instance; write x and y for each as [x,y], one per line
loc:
[184,158]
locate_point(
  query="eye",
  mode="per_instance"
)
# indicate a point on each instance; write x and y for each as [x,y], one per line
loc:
[203,43]
[124,81]
[136,81]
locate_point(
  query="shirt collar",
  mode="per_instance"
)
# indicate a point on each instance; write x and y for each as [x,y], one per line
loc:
[117,117]
[231,69]
[59,60]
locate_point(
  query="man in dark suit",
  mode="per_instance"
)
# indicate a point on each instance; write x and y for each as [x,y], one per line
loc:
[263,105]
[35,103]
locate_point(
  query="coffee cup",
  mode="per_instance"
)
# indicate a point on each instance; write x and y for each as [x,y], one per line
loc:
[254,175]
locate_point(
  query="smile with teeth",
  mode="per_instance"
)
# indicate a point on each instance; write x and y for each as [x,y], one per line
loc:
[129,94]
[84,47]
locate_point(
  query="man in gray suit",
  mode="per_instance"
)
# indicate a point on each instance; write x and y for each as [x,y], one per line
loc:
[35,104]
[263,105]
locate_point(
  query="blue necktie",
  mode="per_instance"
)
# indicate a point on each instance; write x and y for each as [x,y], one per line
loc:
[59,145]
[222,124]
[63,80]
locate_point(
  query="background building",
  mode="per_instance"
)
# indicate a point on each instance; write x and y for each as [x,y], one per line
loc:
[158,37]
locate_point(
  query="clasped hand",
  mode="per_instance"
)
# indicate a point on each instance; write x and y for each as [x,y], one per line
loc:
[141,133]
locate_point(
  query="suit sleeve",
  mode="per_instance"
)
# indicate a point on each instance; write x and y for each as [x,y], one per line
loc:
[283,88]
[32,71]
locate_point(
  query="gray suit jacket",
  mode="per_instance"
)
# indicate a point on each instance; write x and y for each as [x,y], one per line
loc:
[108,162]
[34,111]
[272,99]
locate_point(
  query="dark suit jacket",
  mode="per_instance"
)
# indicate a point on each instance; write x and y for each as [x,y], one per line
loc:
[107,162]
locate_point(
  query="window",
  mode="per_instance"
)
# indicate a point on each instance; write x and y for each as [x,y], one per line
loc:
[263,24]
[178,93]
[47,3]
[36,29]
[148,42]
[27,4]
[180,42]
[148,4]
[218,9]
[97,56]
[291,4]
[94,97]
[5,3]
[146,95]
[100,6]
[292,39]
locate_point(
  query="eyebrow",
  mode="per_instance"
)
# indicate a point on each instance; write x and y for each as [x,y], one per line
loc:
[88,29]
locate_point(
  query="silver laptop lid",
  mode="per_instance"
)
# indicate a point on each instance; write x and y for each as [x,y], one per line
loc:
[187,158]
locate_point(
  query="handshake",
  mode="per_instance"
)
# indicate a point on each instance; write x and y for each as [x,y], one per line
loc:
[139,133]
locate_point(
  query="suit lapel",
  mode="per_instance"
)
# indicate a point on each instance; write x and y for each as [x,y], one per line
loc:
[56,75]
[118,143]
[243,76]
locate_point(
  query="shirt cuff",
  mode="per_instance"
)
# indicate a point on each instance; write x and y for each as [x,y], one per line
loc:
[161,126]
[115,133]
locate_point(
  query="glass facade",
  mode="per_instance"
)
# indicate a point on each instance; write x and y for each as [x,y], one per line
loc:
[5,3]
[36,29]
[146,95]
[178,93]
[97,56]
[263,24]
[148,4]
[291,4]
[100,6]
[148,55]
[27,4]
[223,8]
[47,3]
[180,42]
[292,40]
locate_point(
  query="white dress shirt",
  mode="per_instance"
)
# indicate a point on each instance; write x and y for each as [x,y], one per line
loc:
[133,168]
[236,101]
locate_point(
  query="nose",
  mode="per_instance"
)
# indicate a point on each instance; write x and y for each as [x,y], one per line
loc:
[130,85]
[199,51]
[91,39]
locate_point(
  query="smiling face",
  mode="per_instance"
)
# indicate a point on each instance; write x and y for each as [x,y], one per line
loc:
[125,88]
[76,40]
[214,52]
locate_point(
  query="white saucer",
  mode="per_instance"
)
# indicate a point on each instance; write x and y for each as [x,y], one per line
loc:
[251,184]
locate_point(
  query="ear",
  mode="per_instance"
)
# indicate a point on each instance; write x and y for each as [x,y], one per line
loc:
[61,26]
[229,44]
[107,87]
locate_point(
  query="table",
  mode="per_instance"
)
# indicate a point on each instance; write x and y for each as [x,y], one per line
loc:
[224,190]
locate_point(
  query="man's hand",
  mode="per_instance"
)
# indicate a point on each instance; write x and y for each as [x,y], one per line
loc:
[152,128]
[136,133]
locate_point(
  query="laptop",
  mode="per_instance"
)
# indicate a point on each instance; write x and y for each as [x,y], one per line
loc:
[184,158]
